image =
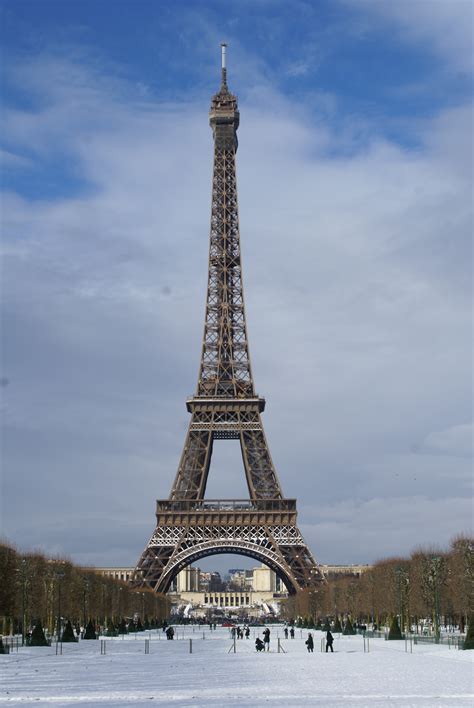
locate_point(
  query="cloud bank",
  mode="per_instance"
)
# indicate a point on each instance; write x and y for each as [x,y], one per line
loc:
[357,276]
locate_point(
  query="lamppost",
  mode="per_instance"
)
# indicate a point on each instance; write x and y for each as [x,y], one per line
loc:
[23,590]
[405,576]
[85,590]
[312,604]
[336,598]
[398,573]
[104,605]
[136,605]
[351,600]
[59,576]
[436,563]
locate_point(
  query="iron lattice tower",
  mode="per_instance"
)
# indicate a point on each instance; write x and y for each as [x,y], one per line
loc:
[226,407]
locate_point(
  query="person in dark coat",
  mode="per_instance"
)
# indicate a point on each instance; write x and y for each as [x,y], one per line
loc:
[329,641]
[286,632]
[170,633]
[266,638]
[247,632]
[259,645]
[309,643]
[292,632]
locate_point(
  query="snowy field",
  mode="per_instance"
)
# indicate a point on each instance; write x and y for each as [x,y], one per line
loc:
[432,676]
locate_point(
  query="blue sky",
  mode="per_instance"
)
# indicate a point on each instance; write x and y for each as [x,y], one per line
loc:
[355,189]
[340,58]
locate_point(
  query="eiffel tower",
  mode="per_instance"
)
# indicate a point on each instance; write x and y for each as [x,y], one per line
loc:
[225,407]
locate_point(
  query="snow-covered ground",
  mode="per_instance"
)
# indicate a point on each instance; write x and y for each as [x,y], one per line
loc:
[432,676]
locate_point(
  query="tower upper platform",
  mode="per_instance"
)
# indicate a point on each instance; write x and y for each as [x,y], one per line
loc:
[224,115]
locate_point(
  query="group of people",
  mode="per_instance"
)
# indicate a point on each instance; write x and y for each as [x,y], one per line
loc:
[261,646]
[329,642]
[265,644]
[239,632]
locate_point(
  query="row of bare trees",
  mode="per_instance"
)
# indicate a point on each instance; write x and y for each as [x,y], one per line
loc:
[33,587]
[431,585]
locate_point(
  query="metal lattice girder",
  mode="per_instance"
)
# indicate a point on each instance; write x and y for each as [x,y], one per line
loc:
[226,406]
[225,363]
[282,548]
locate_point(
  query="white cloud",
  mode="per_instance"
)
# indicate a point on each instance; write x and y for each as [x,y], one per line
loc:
[298,68]
[455,441]
[382,527]
[443,26]
[11,161]
[355,274]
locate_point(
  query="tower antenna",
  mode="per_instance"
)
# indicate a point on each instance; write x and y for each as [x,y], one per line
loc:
[223,64]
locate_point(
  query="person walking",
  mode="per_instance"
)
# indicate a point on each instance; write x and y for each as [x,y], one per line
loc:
[329,640]
[247,632]
[292,632]
[266,638]
[285,631]
[310,643]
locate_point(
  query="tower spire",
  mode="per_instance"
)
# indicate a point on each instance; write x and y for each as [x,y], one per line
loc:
[223,67]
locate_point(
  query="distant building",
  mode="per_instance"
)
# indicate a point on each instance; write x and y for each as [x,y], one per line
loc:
[240,579]
[210,581]
[188,580]
[264,579]
[258,587]
[338,570]
[124,574]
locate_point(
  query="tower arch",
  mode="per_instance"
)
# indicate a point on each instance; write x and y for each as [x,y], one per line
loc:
[205,550]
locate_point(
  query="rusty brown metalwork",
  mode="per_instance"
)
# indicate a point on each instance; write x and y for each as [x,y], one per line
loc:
[225,406]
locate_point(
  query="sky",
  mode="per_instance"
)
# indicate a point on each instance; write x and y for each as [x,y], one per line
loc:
[354,173]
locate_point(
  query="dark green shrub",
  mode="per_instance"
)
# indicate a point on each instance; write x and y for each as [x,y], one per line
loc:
[37,637]
[90,631]
[394,632]
[337,625]
[348,628]
[68,633]
[469,641]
